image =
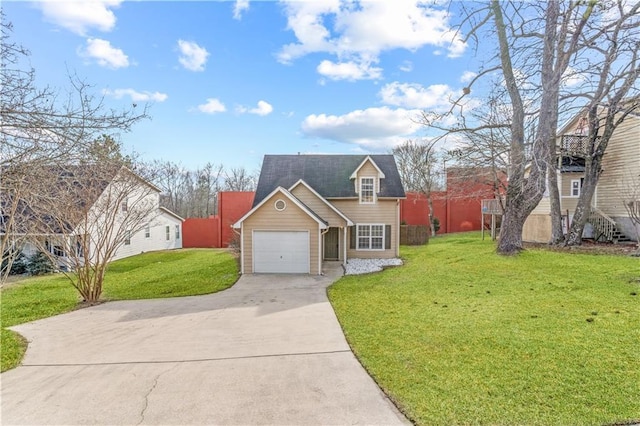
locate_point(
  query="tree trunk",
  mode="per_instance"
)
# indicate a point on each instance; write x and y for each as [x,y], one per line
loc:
[581,214]
[431,224]
[511,230]
[557,232]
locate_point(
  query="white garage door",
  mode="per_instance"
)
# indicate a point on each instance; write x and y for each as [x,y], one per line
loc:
[281,252]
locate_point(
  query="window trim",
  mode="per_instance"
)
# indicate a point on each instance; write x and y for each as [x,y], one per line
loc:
[167,232]
[127,237]
[373,190]
[177,232]
[571,194]
[370,236]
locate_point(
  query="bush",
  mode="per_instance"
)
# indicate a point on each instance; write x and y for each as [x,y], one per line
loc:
[39,264]
[436,224]
[19,265]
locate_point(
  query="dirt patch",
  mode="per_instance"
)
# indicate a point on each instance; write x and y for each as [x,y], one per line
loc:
[591,247]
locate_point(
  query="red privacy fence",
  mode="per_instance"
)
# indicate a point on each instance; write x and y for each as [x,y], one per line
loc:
[458,209]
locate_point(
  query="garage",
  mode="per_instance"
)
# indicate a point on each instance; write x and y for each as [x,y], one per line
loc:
[281,252]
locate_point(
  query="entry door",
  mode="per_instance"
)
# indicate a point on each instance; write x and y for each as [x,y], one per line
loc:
[332,244]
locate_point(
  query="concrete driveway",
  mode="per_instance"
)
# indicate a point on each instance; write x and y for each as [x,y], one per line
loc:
[267,351]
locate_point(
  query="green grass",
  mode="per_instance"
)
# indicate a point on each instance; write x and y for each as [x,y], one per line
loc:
[151,275]
[460,335]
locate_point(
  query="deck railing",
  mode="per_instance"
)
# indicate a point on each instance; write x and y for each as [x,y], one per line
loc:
[575,144]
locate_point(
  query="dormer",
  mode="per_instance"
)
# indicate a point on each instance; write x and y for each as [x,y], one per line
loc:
[366,179]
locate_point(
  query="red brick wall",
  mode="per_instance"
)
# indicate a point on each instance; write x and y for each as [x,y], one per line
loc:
[200,232]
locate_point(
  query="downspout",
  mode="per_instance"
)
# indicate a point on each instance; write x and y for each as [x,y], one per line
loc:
[398,229]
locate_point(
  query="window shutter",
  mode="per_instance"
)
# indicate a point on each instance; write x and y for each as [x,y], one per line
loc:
[387,237]
[352,243]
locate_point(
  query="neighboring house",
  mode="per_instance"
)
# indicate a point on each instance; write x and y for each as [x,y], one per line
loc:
[116,206]
[312,208]
[609,219]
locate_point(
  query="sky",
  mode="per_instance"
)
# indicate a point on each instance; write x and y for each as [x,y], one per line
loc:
[230,81]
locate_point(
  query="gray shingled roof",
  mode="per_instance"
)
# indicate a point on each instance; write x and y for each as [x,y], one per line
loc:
[327,174]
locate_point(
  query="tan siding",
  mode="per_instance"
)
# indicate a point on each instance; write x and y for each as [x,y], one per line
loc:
[622,160]
[318,206]
[267,218]
[368,170]
[383,212]
[543,207]
[537,228]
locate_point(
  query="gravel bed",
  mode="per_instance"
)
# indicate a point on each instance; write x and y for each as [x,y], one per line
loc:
[365,266]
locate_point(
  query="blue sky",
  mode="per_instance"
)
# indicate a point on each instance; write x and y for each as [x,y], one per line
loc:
[231,81]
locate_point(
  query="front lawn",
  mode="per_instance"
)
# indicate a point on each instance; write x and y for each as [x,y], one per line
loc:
[460,335]
[160,274]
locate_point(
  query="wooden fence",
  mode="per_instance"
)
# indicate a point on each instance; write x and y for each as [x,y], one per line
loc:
[414,235]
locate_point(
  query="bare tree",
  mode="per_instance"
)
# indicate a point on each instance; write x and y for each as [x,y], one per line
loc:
[540,47]
[41,127]
[189,193]
[87,212]
[239,179]
[418,167]
[630,195]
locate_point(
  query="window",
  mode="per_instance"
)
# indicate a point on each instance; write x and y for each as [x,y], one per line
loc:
[177,232]
[576,186]
[127,237]
[366,191]
[147,231]
[167,232]
[280,205]
[370,237]
[124,207]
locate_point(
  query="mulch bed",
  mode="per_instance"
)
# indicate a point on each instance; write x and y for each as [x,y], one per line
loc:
[592,247]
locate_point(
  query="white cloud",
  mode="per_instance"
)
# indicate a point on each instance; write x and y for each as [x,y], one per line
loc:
[572,78]
[104,54]
[410,95]
[192,56]
[212,106]
[349,71]
[136,96]
[263,108]
[373,128]
[362,30]
[239,7]
[467,76]
[406,66]
[80,16]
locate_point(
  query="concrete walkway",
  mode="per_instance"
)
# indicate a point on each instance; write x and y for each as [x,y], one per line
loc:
[267,351]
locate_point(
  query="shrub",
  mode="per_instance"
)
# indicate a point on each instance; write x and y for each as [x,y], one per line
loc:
[436,224]
[18,266]
[39,264]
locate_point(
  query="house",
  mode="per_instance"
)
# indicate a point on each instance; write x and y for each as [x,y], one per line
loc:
[91,212]
[313,208]
[609,219]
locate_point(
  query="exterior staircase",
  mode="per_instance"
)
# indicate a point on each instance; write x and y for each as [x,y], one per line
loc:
[605,228]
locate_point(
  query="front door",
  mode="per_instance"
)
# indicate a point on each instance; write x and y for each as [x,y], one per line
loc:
[332,244]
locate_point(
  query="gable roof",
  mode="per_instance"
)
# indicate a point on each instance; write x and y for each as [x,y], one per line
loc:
[368,159]
[79,185]
[328,175]
[324,201]
[292,198]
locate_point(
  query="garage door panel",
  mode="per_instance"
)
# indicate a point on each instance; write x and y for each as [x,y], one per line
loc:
[281,251]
